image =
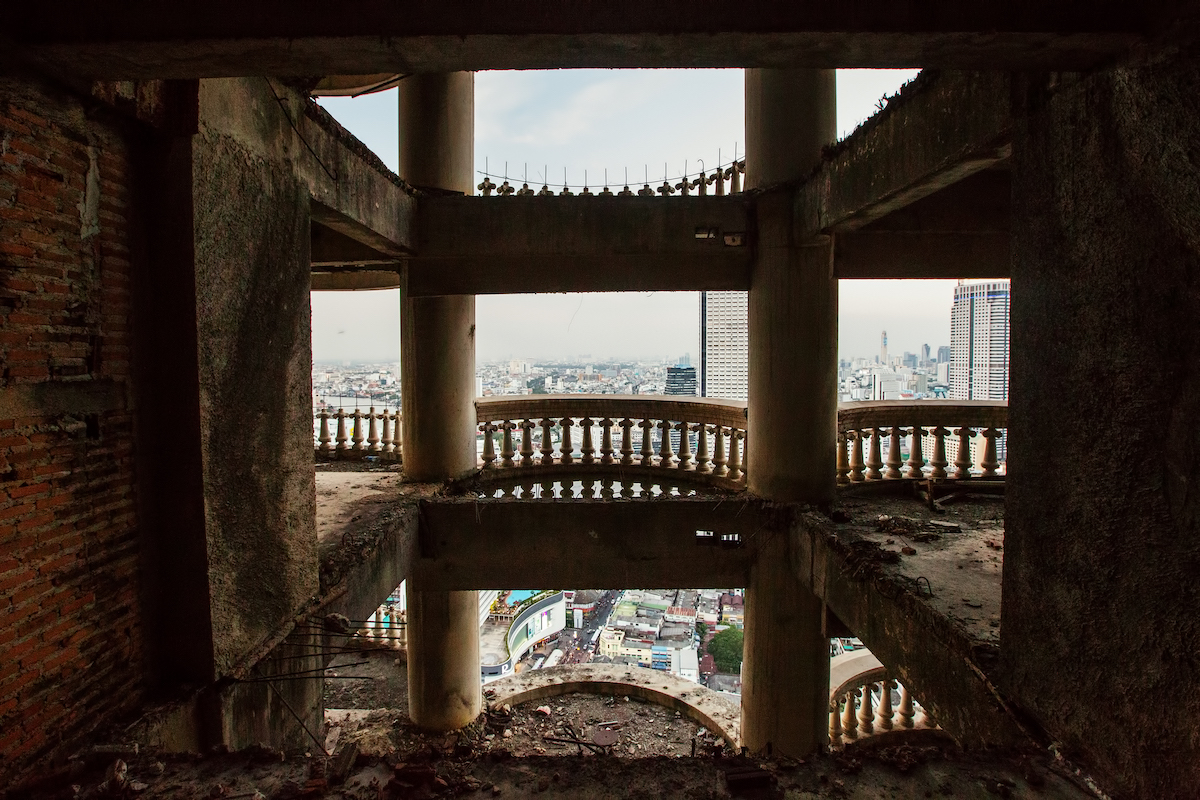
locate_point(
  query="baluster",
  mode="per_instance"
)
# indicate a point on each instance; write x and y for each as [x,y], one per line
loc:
[547,447]
[626,489]
[835,726]
[718,180]
[735,179]
[883,717]
[606,488]
[685,445]
[875,457]
[937,465]
[866,715]
[962,461]
[527,427]
[665,454]
[342,441]
[489,447]
[647,448]
[856,456]
[389,443]
[586,448]
[735,460]
[849,720]
[506,443]
[566,447]
[702,459]
[843,462]
[373,431]
[719,467]
[990,462]
[916,454]
[606,445]
[547,489]
[905,711]
[324,441]
[894,462]
[357,435]
[744,464]
[626,440]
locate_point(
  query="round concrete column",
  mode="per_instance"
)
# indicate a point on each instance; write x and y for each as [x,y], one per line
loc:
[444,691]
[437,336]
[437,365]
[792,425]
[790,115]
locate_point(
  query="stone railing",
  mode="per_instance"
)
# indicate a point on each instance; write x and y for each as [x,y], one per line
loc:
[357,434]
[655,436]
[684,185]
[854,713]
[863,427]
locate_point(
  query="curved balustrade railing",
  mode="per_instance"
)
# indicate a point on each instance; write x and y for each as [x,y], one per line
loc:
[636,435]
[944,428]
[855,713]
[683,185]
[357,434]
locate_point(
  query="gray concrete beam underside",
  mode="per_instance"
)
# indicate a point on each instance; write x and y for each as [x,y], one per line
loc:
[489,245]
[942,130]
[226,39]
[467,543]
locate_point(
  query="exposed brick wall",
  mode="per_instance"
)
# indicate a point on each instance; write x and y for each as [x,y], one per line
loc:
[70,635]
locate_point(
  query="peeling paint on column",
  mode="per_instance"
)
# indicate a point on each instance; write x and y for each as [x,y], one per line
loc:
[89,206]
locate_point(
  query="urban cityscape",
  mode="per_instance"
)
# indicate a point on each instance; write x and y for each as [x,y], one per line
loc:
[694,634]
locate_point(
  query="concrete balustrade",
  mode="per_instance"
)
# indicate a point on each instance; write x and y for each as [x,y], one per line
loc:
[700,440]
[357,434]
[870,704]
[868,431]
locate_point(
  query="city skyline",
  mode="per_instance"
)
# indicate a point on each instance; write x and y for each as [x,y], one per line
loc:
[592,120]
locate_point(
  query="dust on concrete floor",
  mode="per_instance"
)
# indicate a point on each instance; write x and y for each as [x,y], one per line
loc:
[462,770]
[381,682]
[953,557]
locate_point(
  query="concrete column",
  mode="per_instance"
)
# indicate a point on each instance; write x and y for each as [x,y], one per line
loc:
[790,115]
[437,143]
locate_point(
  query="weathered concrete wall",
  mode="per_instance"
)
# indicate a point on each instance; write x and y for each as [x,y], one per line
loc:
[255,362]
[1100,624]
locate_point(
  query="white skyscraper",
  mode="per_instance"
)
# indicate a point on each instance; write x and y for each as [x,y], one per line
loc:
[724,345]
[979,348]
[979,341]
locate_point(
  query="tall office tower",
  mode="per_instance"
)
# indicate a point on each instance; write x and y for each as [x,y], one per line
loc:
[681,380]
[979,344]
[724,345]
[883,349]
[944,354]
[924,353]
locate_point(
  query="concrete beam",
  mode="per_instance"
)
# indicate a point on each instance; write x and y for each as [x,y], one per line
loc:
[355,280]
[466,543]
[320,37]
[931,654]
[492,245]
[951,126]
[920,254]
[350,189]
[329,247]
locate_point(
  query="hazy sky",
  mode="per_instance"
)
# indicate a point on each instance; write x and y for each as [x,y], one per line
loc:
[597,120]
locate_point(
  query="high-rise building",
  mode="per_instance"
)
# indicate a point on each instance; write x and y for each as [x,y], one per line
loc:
[979,345]
[883,349]
[724,345]
[924,353]
[944,354]
[979,341]
[681,380]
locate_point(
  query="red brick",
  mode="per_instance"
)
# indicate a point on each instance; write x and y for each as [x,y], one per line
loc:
[17,579]
[14,249]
